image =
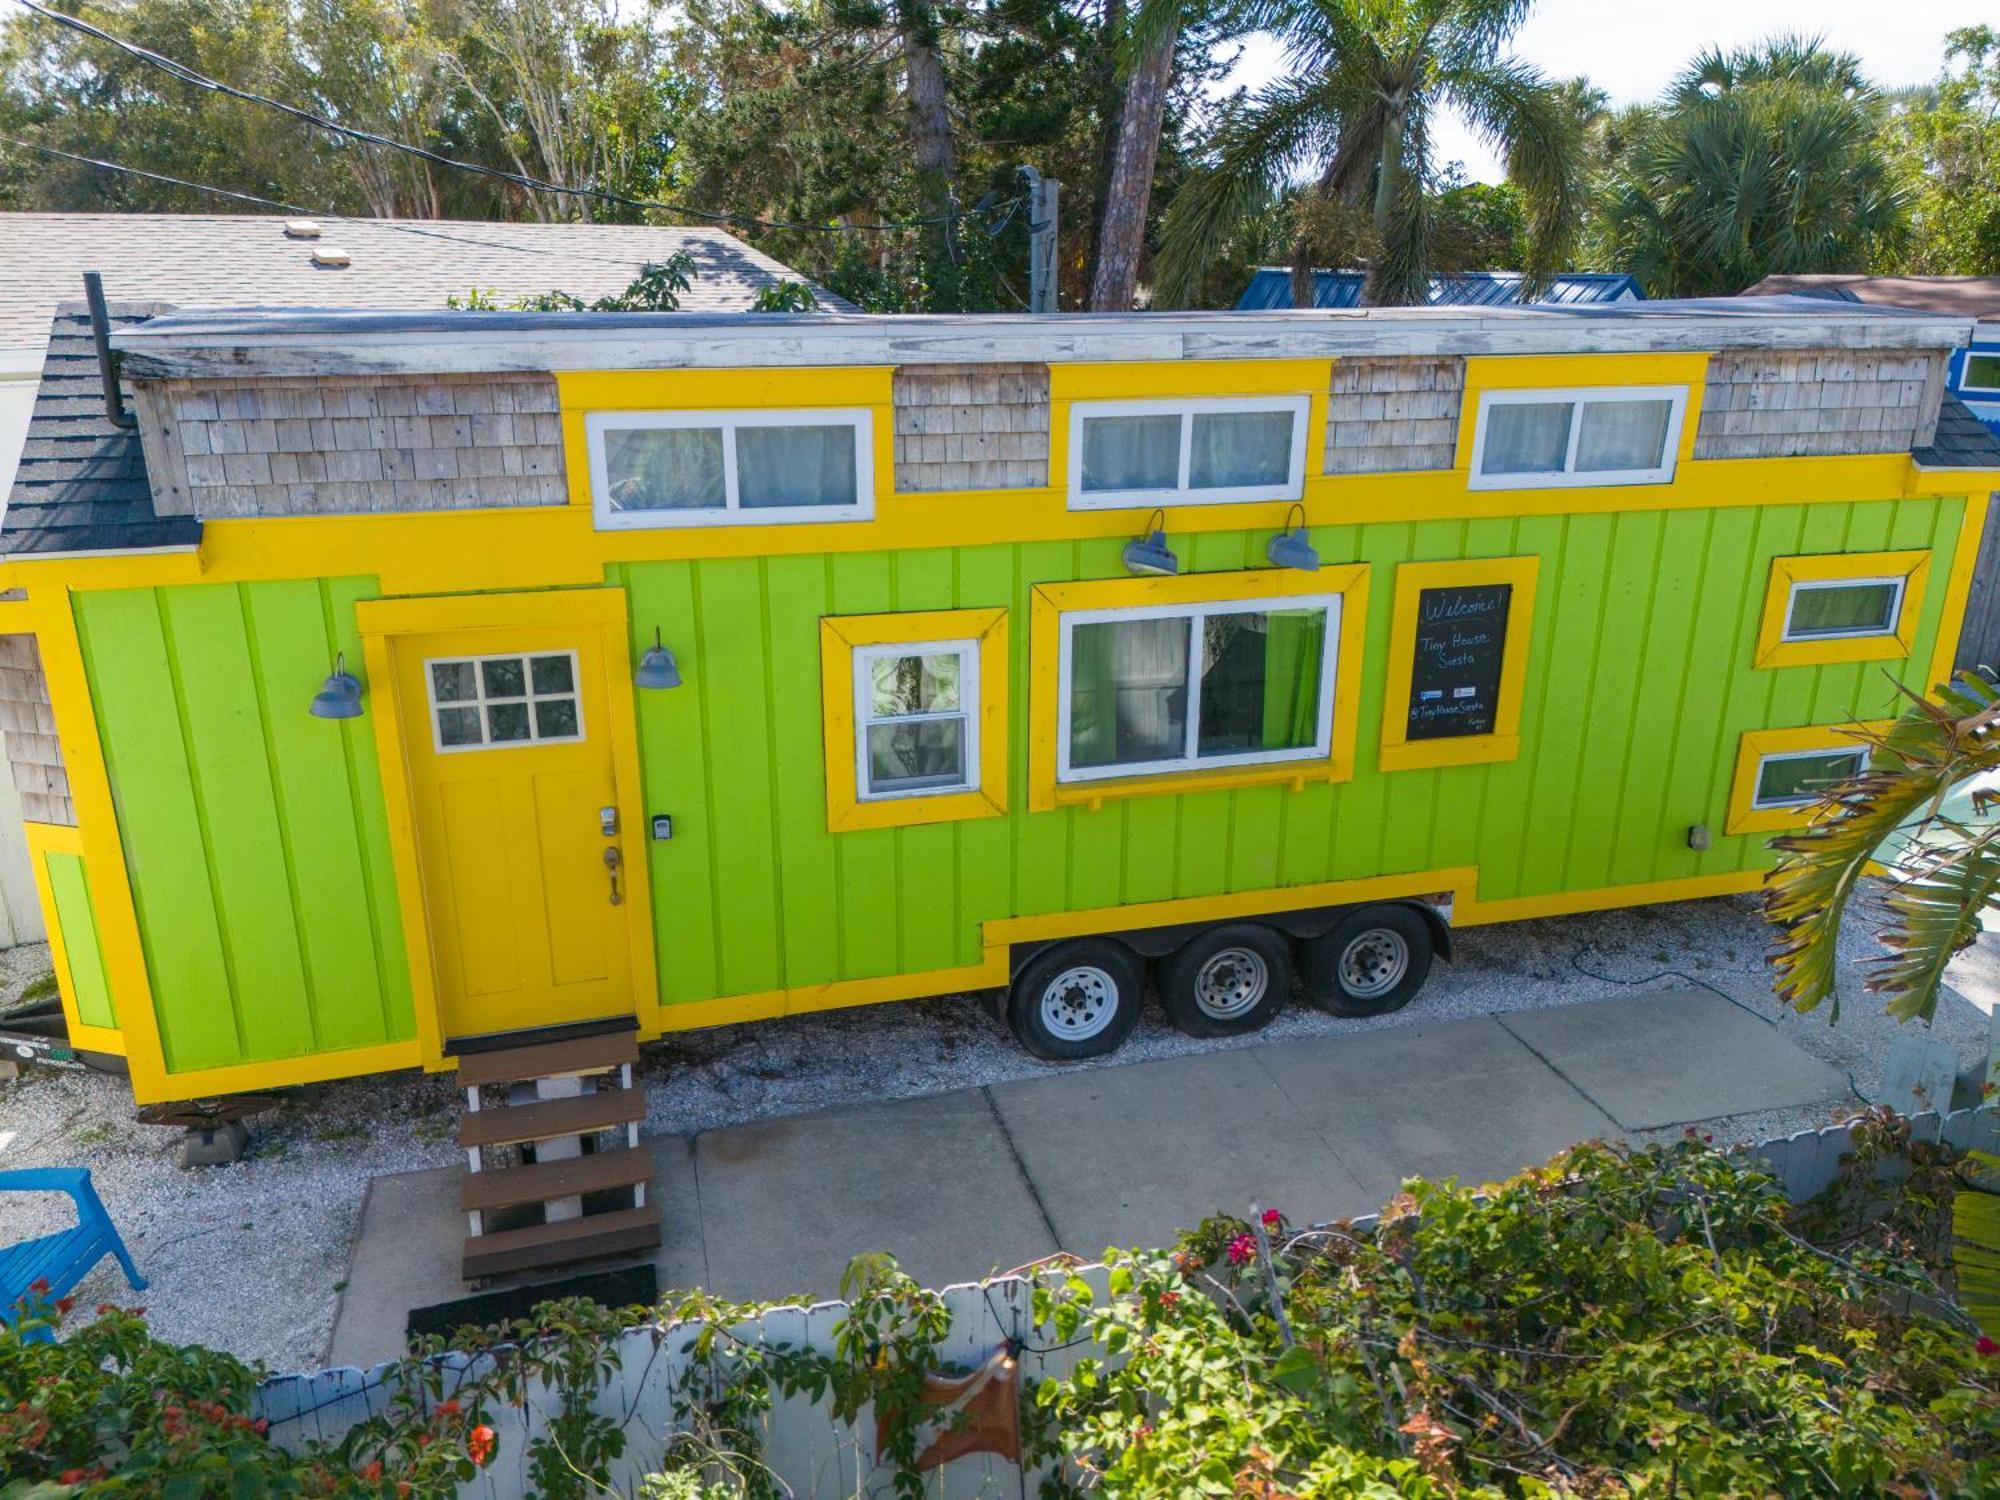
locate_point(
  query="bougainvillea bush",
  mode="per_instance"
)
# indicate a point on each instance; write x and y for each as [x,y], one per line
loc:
[1658,1323]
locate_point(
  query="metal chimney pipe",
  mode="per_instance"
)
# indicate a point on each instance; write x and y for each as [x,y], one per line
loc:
[107,363]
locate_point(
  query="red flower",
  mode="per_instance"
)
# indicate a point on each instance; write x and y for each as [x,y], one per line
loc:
[1272,1218]
[448,1408]
[1987,1346]
[373,1470]
[70,1476]
[1242,1248]
[64,1304]
[479,1444]
[1170,1300]
[39,1286]
[261,1426]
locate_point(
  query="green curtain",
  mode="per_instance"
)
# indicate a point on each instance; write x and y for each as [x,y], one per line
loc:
[1293,643]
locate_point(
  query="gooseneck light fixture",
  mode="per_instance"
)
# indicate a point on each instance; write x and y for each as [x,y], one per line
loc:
[1150,553]
[657,668]
[340,696]
[1292,548]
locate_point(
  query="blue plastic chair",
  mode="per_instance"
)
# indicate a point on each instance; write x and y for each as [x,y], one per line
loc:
[67,1256]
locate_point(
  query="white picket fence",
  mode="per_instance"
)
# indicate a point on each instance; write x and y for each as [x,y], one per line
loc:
[818,1458]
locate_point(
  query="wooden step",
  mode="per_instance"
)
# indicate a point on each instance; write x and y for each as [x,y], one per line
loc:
[548,1119]
[558,1244]
[583,1054]
[503,1187]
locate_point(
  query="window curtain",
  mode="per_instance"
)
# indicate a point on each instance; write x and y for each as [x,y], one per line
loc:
[1526,437]
[664,468]
[794,466]
[1294,652]
[1228,449]
[1622,435]
[1128,692]
[1260,681]
[1131,453]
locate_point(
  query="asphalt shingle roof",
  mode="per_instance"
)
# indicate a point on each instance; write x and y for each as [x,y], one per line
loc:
[1967,296]
[81,486]
[246,260]
[1962,441]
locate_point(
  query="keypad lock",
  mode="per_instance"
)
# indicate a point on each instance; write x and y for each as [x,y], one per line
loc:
[607,822]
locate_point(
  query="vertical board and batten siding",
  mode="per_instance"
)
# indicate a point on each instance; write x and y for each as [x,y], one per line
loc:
[254,834]
[1640,681]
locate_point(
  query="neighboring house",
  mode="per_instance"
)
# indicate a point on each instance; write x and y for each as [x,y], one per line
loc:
[1271,287]
[244,260]
[458,688]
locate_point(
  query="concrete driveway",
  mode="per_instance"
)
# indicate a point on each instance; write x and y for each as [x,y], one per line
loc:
[962,1184]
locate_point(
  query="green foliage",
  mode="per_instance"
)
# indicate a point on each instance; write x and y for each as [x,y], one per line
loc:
[784,297]
[656,288]
[1944,142]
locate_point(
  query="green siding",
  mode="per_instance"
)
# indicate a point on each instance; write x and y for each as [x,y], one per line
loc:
[254,834]
[77,921]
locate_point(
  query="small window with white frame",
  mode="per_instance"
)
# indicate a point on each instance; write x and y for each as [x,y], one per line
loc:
[1186,451]
[708,468]
[1792,779]
[1981,375]
[1184,687]
[500,702]
[916,719]
[1527,439]
[1834,609]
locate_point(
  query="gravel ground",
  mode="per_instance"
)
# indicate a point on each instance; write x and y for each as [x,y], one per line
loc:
[251,1257]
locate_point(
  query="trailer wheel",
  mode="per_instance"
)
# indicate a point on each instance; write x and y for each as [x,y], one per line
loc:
[1077,999]
[1373,962]
[1227,981]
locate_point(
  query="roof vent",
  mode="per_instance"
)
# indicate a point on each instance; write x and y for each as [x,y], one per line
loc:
[329,255]
[302,229]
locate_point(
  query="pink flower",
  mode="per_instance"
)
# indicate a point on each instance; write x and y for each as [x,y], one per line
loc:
[1272,1218]
[1242,1248]
[1987,1346]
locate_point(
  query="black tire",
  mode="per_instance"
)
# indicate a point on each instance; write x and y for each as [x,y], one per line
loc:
[1077,999]
[1227,981]
[1373,962]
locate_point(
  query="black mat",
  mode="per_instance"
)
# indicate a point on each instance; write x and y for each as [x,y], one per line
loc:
[628,1286]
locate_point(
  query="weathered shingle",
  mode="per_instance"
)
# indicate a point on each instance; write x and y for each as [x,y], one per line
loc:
[1962,441]
[81,486]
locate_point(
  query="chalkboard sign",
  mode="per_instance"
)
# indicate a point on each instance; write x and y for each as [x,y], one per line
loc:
[1455,670]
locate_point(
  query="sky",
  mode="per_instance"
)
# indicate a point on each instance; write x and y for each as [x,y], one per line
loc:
[1632,48]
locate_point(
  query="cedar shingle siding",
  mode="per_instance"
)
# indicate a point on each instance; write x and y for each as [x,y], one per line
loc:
[1387,415]
[1767,405]
[320,447]
[972,427]
[30,726]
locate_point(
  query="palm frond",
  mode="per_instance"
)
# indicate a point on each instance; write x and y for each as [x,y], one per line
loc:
[1533,122]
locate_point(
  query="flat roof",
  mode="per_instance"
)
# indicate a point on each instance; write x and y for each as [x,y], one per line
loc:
[196,343]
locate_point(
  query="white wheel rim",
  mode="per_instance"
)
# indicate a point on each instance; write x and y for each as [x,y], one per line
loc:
[1231,984]
[1079,1003]
[1374,963]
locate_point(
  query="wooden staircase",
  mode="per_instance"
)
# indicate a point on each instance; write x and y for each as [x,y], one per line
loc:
[554,1172]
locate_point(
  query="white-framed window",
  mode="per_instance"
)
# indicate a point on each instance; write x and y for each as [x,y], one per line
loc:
[916,719]
[1797,778]
[1181,687]
[1186,451]
[708,468]
[1831,609]
[1532,439]
[1981,375]
[502,702]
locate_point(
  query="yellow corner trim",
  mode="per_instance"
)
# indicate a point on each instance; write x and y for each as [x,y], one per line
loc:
[1743,816]
[1958,590]
[1773,650]
[840,637]
[1398,751]
[1051,601]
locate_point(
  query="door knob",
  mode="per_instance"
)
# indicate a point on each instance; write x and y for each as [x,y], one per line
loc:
[612,859]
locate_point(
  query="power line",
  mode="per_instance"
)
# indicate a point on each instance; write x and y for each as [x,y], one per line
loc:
[180,182]
[202,81]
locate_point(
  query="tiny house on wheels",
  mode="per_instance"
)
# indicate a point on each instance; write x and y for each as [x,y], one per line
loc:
[407,686]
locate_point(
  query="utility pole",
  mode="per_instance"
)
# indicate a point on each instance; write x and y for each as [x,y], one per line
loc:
[1042,193]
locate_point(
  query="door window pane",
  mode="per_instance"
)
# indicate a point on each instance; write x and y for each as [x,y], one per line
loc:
[1622,435]
[503,677]
[1794,780]
[803,465]
[458,726]
[1132,453]
[664,468]
[1843,609]
[919,753]
[488,700]
[1240,448]
[1128,691]
[552,674]
[1260,680]
[555,718]
[506,722]
[1526,437]
[454,681]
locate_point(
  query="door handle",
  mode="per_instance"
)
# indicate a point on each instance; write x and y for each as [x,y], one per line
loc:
[612,860]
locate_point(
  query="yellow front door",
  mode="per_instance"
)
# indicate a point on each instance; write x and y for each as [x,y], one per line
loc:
[518,829]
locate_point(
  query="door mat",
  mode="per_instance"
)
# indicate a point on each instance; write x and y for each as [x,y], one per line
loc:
[627,1286]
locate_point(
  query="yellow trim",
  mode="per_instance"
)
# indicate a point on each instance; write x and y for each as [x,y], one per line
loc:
[1475,913]
[1521,372]
[1400,753]
[839,637]
[380,621]
[1773,650]
[1755,745]
[1957,590]
[1050,601]
[45,839]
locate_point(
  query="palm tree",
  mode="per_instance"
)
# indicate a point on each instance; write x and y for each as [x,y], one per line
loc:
[1366,79]
[1758,161]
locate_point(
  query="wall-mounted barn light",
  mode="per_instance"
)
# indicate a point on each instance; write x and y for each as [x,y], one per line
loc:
[657,668]
[1292,548]
[340,697]
[1150,553]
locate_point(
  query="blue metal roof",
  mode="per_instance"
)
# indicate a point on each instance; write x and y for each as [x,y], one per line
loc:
[1271,288]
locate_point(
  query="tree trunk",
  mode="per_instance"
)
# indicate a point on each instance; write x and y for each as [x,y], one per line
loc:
[1116,277]
[930,115]
[1110,107]
[1387,181]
